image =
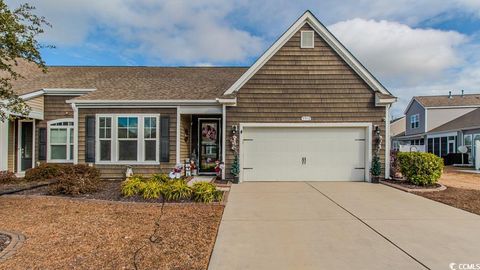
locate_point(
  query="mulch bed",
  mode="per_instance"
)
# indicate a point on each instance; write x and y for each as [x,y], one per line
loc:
[4,241]
[466,199]
[109,190]
[88,234]
[406,184]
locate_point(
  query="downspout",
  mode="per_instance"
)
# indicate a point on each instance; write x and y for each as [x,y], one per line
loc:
[75,133]
[387,141]
[224,135]
[177,146]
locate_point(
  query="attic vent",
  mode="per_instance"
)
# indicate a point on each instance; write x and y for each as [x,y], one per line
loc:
[306,39]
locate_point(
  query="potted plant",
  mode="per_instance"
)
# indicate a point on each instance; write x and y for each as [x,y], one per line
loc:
[376,169]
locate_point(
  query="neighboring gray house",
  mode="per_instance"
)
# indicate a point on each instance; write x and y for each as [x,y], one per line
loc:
[466,128]
[429,122]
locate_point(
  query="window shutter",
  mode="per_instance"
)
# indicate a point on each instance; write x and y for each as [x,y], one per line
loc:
[90,139]
[164,138]
[42,144]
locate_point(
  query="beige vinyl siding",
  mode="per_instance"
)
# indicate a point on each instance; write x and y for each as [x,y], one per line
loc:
[299,82]
[118,171]
[55,107]
[185,136]
[438,117]
[36,104]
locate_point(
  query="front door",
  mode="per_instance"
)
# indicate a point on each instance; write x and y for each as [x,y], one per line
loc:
[209,144]
[26,145]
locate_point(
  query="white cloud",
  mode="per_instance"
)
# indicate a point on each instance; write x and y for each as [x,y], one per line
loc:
[397,52]
[179,31]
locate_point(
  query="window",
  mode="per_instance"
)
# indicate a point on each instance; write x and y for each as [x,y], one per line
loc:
[430,145]
[150,137]
[414,121]
[127,138]
[307,39]
[467,141]
[60,140]
[105,138]
[441,146]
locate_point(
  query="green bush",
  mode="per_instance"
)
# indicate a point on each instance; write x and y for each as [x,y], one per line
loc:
[7,177]
[152,189]
[133,186]
[420,168]
[206,192]
[75,180]
[176,190]
[44,171]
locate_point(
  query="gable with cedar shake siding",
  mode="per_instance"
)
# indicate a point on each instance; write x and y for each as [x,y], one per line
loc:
[298,82]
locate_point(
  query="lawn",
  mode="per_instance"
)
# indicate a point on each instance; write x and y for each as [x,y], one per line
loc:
[92,234]
[463,190]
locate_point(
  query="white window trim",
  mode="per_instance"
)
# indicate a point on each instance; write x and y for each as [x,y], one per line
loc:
[69,129]
[301,39]
[114,159]
[415,120]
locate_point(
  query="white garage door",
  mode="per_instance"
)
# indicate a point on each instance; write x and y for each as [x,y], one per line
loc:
[303,153]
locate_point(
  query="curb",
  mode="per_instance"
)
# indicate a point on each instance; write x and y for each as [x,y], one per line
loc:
[12,191]
[16,241]
[411,190]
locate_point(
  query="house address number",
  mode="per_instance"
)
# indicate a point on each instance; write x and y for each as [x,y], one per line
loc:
[306,118]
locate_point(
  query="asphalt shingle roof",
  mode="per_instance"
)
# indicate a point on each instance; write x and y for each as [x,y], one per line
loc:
[133,83]
[445,100]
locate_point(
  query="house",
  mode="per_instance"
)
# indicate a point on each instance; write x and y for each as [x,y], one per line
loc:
[465,128]
[437,124]
[397,128]
[305,110]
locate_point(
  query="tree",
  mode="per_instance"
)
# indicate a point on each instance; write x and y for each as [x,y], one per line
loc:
[18,31]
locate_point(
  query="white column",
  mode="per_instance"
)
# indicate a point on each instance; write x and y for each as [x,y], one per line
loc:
[177,146]
[3,145]
[387,141]
[224,136]
[477,155]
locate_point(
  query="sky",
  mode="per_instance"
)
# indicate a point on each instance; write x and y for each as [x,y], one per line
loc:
[414,47]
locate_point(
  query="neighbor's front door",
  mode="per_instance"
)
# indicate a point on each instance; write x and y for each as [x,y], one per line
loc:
[26,145]
[209,144]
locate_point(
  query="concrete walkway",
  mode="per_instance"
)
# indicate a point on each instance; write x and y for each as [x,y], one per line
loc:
[329,225]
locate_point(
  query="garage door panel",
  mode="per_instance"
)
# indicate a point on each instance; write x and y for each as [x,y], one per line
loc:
[303,154]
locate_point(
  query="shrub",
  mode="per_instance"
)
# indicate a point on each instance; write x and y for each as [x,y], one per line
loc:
[133,186]
[206,192]
[44,171]
[176,190]
[160,177]
[7,176]
[151,189]
[376,169]
[75,180]
[420,168]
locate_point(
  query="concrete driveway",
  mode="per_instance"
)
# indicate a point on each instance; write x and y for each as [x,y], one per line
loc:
[330,225]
